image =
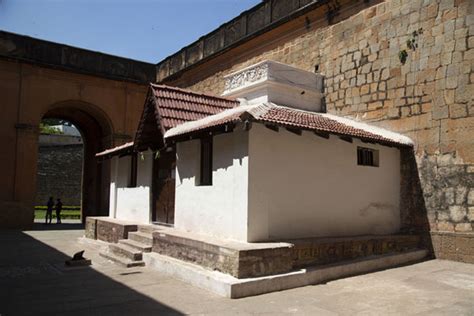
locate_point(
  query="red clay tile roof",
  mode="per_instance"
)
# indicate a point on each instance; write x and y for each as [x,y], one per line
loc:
[167,107]
[176,106]
[293,118]
[115,150]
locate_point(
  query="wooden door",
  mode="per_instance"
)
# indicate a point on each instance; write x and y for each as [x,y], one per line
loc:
[164,188]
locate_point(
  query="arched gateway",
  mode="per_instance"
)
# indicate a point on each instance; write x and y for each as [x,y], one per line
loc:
[96,128]
[102,95]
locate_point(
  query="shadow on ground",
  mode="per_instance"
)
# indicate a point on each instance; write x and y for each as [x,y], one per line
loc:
[62,226]
[34,280]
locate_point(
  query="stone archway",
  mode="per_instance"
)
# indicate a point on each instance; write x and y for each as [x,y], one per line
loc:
[104,103]
[96,131]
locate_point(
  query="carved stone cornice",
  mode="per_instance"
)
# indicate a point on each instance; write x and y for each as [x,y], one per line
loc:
[246,76]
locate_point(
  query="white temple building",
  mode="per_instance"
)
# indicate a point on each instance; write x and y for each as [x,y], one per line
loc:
[272,166]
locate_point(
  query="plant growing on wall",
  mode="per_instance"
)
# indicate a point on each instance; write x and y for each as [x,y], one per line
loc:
[412,44]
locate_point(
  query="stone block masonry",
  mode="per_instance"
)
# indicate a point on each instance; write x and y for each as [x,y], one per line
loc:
[108,229]
[60,174]
[428,97]
[236,259]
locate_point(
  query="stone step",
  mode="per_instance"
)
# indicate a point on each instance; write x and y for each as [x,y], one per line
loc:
[135,244]
[140,237]
[124,262]
[147,229]
[122,250]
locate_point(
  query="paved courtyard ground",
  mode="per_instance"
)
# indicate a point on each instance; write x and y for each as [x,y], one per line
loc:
[33,280]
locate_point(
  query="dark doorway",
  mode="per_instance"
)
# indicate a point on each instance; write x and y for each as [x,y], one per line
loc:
[163,187]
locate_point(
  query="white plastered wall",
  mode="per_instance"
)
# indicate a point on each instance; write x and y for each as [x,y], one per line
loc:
[132,204]
[308,186]
[219,210]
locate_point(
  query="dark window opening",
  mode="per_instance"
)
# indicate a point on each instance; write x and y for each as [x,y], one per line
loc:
[133,172]
[367,157]
[206,162]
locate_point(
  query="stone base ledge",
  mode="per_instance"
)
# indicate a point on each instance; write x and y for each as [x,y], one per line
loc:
[247,260]
[241,260]
[108,229]
[324,250]
[231,287]
[453,246]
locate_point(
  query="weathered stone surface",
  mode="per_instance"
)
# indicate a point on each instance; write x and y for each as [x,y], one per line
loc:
[454,246]
[59,174]
[310,252]
[109,230]
[457,213]
[238,262]
[90,230]
[470,197]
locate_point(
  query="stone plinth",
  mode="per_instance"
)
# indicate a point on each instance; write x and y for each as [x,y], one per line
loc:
[317,251]
[240,260]
[247,260]
[108,229]
[453,246]
[90,230]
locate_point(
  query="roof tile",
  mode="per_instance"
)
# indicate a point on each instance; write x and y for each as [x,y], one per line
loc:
[289,117]
[176,106]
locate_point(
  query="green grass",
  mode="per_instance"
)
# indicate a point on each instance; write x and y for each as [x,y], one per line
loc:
[65,207]
[68,212]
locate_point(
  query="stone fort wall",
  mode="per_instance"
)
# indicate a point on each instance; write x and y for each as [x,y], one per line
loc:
[428,97]
[60,173]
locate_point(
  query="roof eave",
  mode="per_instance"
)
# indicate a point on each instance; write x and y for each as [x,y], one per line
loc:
[224,128]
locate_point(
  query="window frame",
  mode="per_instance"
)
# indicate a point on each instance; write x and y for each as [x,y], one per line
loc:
[367,157]
[206,162]
[132,181]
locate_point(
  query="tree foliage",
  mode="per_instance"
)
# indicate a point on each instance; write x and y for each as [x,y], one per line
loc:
[47,129]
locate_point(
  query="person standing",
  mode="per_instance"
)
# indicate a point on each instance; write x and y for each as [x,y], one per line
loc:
[59,207]
[49,210]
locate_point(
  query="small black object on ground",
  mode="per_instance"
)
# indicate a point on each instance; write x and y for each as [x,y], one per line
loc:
[78,260]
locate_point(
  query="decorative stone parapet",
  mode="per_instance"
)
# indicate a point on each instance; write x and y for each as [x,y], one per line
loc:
[271,81]
[247,76]
[261,18]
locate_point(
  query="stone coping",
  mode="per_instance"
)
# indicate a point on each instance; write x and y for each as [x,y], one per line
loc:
[64,57]
[114,220]
[231,244]
[346,238]
[257,20]
[454,234]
